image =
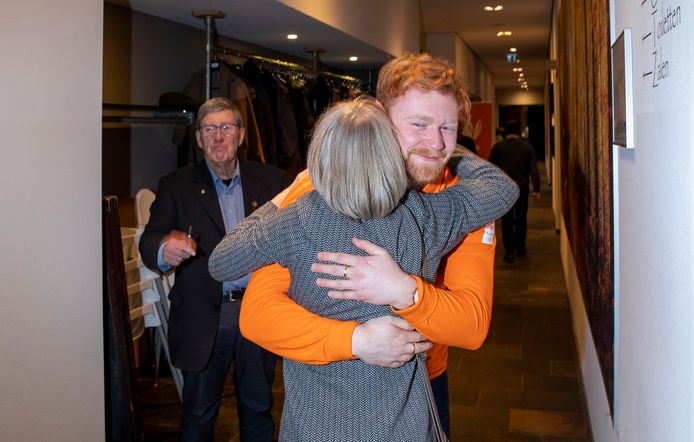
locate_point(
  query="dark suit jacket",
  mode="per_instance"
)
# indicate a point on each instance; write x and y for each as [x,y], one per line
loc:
[187,197]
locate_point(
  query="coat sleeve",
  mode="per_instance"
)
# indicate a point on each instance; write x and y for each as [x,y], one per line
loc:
[457,311]
[483,194]
[264,237]
[274,321]
[162,220]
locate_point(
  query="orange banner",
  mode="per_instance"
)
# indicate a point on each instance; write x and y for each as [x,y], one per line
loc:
[481,127]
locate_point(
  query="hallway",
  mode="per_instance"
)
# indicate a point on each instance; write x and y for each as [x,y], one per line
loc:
[521,385]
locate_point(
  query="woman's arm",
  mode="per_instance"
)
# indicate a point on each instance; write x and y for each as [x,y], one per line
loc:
[483,194]
[258,240]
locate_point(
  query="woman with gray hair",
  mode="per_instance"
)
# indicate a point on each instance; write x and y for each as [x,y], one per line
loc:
[356,166]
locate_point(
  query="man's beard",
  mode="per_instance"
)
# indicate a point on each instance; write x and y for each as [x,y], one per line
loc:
[421,174]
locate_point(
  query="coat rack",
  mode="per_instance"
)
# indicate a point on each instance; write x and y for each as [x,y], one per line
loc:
[209,16]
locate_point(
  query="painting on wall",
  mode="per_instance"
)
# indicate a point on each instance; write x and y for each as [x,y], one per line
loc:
[622,99]
[586,166]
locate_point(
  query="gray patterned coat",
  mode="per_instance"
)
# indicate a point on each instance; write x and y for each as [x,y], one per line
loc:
[350,400]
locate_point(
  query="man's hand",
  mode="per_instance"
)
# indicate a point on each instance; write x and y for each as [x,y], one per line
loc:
[535,196]
[363,278]
[387,342]
[177,248]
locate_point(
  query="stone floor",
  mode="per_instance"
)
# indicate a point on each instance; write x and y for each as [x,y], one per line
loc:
[521,385]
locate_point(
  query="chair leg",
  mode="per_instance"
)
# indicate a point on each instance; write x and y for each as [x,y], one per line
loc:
[157,355]
[162,331]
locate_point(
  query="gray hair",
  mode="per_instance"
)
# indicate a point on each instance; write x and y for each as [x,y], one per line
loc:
[355,161]
[218,104]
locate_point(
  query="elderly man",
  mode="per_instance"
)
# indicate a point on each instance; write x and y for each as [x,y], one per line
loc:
[194,207]
[425,99]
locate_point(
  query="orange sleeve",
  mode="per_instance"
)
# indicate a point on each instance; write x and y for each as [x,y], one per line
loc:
[274,321]
[458,309]
[459,314]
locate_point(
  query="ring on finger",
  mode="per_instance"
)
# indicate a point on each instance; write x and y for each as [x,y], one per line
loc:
[345,272]
[414,348]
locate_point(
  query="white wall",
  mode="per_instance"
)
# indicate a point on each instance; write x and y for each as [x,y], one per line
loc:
[477,77]
[144,57]
[656,228]
[389,25]
[655,225]
[519,97]
[51,368]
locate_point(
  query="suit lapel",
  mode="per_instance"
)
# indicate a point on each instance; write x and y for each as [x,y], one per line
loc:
[249,184]
[206,193]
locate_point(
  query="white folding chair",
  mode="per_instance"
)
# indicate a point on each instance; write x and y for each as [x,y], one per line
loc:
[147,298]
[143,200]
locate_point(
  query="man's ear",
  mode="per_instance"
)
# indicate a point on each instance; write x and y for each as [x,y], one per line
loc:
[198,138]
[242,134]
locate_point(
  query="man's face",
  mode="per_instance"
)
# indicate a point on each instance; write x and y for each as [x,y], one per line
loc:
[220,148]
[427,124]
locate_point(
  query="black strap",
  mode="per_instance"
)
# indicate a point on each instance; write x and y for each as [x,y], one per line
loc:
[433,410]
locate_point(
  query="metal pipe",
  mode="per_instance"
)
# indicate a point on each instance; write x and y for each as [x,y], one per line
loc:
[209,17]
[208,55]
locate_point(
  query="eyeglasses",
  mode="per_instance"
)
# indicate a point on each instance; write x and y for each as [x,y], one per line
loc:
[209,130]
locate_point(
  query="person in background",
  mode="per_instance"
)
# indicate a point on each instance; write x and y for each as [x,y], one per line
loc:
[355,162]
[194,207]
[516,157]
[417,92]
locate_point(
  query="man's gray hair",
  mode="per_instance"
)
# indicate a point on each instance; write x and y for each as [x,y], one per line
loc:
[355,161]
[218,104]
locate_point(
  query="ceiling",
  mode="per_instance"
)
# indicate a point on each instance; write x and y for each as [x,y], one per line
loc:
[528,20]
[266,23]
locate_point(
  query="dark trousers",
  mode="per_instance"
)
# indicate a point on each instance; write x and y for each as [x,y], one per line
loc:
[439,386]
[254,371]
[514,225]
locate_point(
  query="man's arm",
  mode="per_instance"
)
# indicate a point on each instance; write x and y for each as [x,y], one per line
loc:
[275,322]
[272,320]
[458,315]
[161,246]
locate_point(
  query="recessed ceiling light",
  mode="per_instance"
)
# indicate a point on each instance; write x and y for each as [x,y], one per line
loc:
[504,34]
[517,69]
[513,49]
[493,8]
[353,58]
[292,36]
[521,75]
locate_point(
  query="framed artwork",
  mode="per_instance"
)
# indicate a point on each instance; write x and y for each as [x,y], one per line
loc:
[586,166]
[622,95]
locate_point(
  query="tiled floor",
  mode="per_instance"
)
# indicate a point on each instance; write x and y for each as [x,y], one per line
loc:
[522,385]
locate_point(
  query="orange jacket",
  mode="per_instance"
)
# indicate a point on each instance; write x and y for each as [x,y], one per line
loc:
[456,311]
